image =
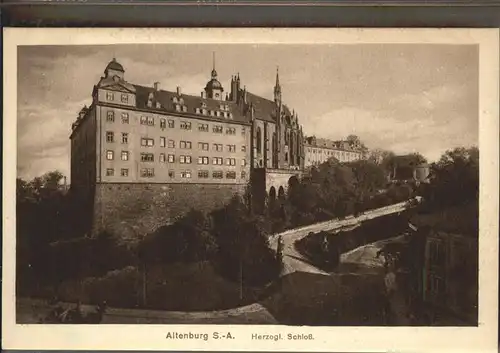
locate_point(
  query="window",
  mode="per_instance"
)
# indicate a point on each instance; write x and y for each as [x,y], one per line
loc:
[110,172]
[171,144]
[231,130]
[125,119]
[218,147]
[178,107]
[243,162]
[243,175]
[186,174]
[217,161]
[147,120]
[158,105]
[171,158]
[230,161]
[185,145]
[163,123]
[171,124]
[217,129]
[171,174]
[162,142]
[197,110]
[230,175]
[202,160]
[203,174]
[259,140]
[185,159]
[184,108]
[203,127]
[110,155]
[243,131]
[217,174]
[124,172]
[124,98]
[110,118]
[110,96]
[110,136]
[162,157]
[147,157]
[243,148]
[147,172]
[147,142]
[124,137]
[185,125]
[124,155]
[231,148]
[203,146]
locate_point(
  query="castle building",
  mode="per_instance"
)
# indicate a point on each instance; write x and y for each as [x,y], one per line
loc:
[141,156]
[318,150]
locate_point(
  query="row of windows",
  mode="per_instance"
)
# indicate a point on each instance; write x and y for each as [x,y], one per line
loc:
[149,157]
[185,174]
[184,125]
[179,106]
[332,153]
[149,142]
[110,96]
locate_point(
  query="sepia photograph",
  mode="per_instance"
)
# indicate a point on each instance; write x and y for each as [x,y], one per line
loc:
[296,184]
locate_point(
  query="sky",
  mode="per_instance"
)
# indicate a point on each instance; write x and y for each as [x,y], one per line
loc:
[400,97]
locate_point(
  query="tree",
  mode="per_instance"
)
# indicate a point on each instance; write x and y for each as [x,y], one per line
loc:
[243,250]
[455,177]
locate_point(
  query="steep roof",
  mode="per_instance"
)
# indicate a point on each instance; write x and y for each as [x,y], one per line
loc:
[165,98]
[265,109]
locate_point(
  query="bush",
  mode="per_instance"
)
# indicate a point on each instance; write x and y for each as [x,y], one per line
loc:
[243,249]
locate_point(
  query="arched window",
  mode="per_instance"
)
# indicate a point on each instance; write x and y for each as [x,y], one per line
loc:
[275,151]
[259,140]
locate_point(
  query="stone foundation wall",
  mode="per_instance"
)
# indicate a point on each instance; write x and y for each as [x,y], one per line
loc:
[133,210]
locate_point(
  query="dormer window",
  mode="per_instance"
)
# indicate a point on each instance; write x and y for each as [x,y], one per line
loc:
[178,107]
[158,105]
[184,108]
[217,113]
[175,100]
[230,115]
[204,111]
[181,100]
[212,113]
[225,115]
[197,110]
[124,98]
[203,104]
[150,103]
[110,96]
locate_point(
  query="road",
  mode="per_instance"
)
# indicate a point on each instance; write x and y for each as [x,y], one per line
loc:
[293,261]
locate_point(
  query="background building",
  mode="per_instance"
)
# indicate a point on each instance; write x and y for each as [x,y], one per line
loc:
[319,150]
[141,156]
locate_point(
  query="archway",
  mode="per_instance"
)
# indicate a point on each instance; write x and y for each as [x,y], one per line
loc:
[272,198]
[281,193]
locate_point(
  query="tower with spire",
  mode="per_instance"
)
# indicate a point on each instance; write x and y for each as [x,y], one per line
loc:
[214,88]
[277,88]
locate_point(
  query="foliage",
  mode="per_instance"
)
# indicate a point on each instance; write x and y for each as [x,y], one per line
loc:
[243,250]
[188,239]
[334,189]
[455,178]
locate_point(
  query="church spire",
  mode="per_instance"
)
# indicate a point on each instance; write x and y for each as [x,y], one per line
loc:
[277,87]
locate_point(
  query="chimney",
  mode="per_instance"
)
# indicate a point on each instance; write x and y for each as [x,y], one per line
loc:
[179,91]
[157,86]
